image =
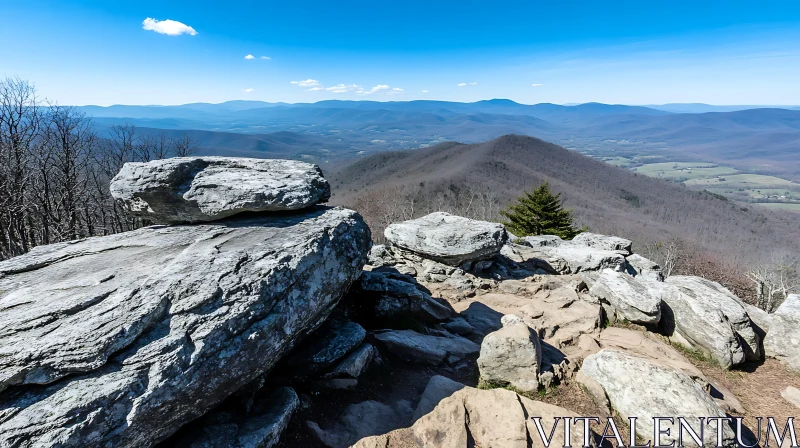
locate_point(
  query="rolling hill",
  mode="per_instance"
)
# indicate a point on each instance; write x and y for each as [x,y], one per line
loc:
[479,179]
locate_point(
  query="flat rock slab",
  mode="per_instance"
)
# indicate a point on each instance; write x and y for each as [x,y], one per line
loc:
[447,238]
[630,298]
[639,387]
[410,346]
[783,337]
[639,266]
[198,189]
[572,258]
[135,334]
[710,317]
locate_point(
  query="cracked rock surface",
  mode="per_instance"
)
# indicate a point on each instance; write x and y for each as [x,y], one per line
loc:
[120,340]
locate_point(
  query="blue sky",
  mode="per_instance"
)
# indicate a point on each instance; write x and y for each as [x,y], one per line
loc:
[565,51]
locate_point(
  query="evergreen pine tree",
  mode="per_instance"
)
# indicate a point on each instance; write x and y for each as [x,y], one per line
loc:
[540,212]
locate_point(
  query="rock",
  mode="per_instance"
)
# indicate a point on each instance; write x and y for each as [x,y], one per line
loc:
[354,364]
[482,418]
[259,431]
[630,299]
[636,385]
[339,383]
[379,256]
[197,189]
[396,300]
[330,343]
[710,317]
[438,388]
[542,240]
[571,258]
[511,356]
[792,395]
[448,239]
[604,242]
[783,339]
[459,326]
[361,420]
[410,346]
[132,335]
[649,345]
[638,266]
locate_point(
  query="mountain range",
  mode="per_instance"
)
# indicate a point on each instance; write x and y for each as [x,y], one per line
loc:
[761,140]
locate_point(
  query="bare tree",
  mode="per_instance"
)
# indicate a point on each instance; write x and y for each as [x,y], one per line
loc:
[774,281]
[184,146]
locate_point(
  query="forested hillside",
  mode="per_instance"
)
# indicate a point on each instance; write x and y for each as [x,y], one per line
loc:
[688,230]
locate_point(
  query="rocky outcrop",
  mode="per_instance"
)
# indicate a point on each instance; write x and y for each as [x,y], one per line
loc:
[447,238]
[705,315]
[335,339]
[195,189]
[540,240]
[360,420]
[639,266]
[354,364]
[636,385]
[629,298]
[134,334]
[604,242]
[783,339]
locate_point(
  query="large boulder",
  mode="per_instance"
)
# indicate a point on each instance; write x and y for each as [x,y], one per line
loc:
[120,340]
[630,299]
[448,238]
[709,317]
[196,189]
[511,355]
[635,386]
[604,242]
[572,258]
[783,338]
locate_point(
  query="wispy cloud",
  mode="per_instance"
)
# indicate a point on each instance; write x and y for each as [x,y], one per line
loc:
[266,57]
[375,89]
[314,89]
[535,85]
[395,91]
[464,84]
[342,88]
[248,90]
[424,91]
[168,27]
[307,83]
[249,56]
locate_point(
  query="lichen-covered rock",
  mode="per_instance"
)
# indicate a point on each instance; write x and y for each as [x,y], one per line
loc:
[783,338]
[354,364]
[710,317]
[130,336]
[448,238]
[335,339]
[394,299]
[629,298]
[541,240]
[197,189]
[511,355]
[603,242]
[640,387]
[571,258]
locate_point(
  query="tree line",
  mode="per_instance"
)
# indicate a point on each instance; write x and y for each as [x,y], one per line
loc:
[55,170]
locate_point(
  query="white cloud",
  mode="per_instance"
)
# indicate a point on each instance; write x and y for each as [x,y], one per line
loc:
[266,57]
[307,83]
[535,85]
[424,91]
[464,84]
[395,91]
[342,88]
[168,27]
[249,56]
[314,89]
[248,90]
